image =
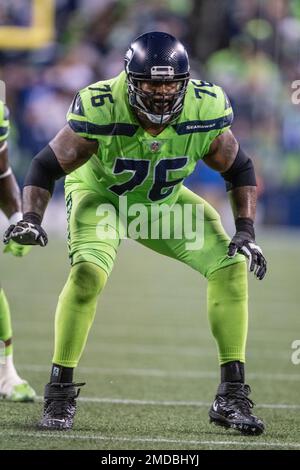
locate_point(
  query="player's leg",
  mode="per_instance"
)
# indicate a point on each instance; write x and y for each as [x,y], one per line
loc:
[227,307]
[92,256]
[12,387]
[76,306]
[227,301]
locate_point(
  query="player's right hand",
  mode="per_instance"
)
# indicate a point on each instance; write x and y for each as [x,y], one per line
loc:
[26,233]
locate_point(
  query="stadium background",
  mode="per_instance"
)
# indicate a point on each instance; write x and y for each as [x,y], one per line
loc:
[252,49]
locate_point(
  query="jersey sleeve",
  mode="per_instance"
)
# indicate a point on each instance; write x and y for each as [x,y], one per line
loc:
[216,114]
[78,116]
[4,122]
[90,111]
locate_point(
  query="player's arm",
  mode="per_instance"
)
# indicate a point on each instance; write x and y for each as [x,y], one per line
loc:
[10,198]
[66,152]
[226,156]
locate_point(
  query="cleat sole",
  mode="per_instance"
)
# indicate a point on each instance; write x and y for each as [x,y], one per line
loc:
[243,429]
[53,427]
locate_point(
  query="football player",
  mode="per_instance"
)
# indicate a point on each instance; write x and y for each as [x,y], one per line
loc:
[12,387]
[138,136]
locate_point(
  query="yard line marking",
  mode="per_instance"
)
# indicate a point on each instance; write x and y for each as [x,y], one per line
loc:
[130,401]
[180,374]
[59,435]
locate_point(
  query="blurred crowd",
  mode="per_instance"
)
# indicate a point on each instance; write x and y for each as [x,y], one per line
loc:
[250,47]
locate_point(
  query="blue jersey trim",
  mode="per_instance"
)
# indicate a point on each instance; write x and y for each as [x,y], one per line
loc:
[116,128]
[190,127]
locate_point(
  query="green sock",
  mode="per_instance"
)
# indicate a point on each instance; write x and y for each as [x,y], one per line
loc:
[5,323]
[227,302]
[75,312]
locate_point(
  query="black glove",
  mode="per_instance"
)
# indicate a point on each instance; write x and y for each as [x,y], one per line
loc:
[244,242]
[27,231]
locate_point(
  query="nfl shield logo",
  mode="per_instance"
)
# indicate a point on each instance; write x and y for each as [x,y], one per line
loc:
[155,146]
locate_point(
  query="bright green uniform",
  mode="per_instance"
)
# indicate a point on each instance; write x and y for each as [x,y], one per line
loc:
[5,319]
[132,164]
[105,115]
[4,122]
[12,387]
[146,169]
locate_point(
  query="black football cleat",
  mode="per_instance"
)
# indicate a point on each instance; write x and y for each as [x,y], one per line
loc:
[232,409]
[59,406]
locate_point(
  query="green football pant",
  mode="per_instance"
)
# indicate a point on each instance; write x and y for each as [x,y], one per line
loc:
[94,255]
[75,312]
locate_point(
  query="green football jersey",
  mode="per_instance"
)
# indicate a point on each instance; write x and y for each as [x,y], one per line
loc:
[4,122]
[130,161]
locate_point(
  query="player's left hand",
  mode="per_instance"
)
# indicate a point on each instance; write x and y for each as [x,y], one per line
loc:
[244,244]
[16,249]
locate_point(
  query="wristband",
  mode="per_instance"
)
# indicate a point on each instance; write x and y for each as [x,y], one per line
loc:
[32,218]
[245,224]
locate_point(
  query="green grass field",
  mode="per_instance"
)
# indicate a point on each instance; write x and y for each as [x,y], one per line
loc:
[150,362]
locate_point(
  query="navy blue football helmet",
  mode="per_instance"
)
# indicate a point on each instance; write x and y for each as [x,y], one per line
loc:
[159,58]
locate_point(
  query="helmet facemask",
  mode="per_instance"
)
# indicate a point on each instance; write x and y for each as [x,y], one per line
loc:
[158,107]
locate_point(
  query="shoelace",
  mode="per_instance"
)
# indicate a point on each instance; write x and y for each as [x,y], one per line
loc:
[60,392]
